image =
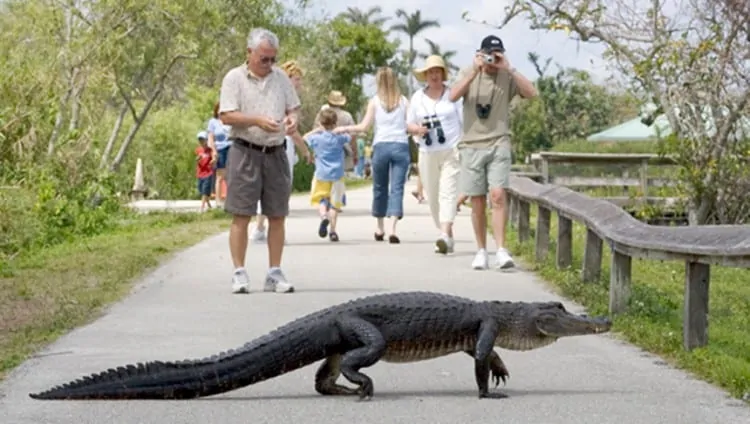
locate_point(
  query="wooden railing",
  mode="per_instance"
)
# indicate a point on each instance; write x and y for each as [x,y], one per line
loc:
[542,161]
[627,238]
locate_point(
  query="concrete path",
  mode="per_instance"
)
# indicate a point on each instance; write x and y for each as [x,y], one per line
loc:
[185,310]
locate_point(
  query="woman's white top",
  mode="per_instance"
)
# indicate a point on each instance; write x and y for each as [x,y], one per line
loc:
[450,114]
[390,126]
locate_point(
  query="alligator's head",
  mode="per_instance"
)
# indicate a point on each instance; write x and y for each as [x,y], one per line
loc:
[537,324]
[551,319]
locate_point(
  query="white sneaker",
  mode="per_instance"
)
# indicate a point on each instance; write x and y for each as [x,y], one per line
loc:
[258,236]
[503,259]
[276,282]
[444,245]
[240,281]
[481,260]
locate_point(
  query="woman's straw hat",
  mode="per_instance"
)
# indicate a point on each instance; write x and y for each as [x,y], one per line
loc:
[434,61]
[336,98]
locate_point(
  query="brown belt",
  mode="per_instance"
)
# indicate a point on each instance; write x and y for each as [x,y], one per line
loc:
[259,147]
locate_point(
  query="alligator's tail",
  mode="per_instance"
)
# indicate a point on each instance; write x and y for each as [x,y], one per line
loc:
[262,359]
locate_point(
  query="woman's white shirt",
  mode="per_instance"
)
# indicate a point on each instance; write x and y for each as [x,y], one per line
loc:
[390,126]
[450,115]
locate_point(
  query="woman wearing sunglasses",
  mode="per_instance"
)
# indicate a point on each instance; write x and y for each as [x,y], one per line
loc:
[436,122]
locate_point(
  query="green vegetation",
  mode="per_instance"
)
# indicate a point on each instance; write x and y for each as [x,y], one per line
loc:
[654,319]
[46,292]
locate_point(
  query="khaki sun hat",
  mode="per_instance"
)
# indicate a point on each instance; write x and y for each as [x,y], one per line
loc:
[336,98]
[434,61]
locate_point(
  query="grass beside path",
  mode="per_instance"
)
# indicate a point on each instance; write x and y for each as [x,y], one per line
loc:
[654,320]
[47,292]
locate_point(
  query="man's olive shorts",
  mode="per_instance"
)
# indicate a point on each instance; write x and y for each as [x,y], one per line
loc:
[484,168]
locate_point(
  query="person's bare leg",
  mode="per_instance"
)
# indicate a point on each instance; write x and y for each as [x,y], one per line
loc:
[219,179]
[333,215]
[479,220]
[499,215]
[238,240]
[276,234]
[447,228]
[381,225]
[394,222]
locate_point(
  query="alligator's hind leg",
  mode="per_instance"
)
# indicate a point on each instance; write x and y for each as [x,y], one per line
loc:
[326,376]
[497,367]
[371,348]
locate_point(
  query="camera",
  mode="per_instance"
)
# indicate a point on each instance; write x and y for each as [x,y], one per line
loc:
[488,58]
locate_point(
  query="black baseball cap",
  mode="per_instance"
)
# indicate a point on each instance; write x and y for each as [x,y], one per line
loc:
[492,43]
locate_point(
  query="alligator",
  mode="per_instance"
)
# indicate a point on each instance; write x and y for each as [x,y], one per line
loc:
[394,327]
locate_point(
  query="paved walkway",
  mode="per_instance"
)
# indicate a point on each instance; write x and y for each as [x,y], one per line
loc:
[185,310]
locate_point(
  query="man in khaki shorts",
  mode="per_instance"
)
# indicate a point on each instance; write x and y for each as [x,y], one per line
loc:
[487,87]
[260,103]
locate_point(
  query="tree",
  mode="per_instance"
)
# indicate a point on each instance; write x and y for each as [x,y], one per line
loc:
[434,49]
[371,16]
[694,66]
[569,107]
[412,25]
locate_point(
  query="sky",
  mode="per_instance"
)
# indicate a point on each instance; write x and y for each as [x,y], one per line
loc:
[465,37]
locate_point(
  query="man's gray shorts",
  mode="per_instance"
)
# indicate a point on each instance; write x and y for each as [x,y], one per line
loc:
[252,175]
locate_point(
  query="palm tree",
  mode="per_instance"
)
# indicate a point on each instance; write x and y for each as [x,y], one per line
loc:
[371,16]
[412,25]
[436,50]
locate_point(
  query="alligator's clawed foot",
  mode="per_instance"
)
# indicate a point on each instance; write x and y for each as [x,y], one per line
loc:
[499,372]
[336,390]
[365,391]
[492,395]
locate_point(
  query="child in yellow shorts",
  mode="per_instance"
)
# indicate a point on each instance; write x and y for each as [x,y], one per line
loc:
[328,186]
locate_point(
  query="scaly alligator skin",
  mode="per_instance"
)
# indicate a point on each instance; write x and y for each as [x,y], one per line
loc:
[394,327]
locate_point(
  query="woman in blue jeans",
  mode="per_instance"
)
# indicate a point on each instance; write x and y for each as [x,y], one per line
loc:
[390,150]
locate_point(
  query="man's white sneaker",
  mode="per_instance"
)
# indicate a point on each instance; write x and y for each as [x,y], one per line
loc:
[503,259]
[481,261]
[240,281]
[258,236]
[276,282]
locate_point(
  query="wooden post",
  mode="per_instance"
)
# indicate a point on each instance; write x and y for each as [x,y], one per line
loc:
[523,220]
[545,171]
[513,210]
[592,257]
[619,282]
[542,233]
[644,180]
[695,314]
[564,252]
[138,192]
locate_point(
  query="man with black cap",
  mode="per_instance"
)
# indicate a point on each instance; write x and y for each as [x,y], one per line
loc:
[487,87]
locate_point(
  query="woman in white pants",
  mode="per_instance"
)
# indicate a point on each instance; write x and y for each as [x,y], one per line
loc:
[437,122]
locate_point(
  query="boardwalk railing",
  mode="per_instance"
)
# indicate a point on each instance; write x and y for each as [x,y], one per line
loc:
[542,161]
[698,246]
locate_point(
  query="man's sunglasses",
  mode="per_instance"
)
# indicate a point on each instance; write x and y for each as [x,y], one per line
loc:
[267,60]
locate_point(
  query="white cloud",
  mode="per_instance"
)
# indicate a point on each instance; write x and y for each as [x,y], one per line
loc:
[456,34]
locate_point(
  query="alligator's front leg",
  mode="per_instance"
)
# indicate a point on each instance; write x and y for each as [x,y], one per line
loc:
[497,367]
[328,373]
[482,359]
[372,347]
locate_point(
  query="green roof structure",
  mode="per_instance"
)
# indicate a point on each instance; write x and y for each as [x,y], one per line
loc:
[633,130]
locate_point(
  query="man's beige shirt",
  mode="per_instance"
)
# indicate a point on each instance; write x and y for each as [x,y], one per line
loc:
[272,96]
[495,128]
